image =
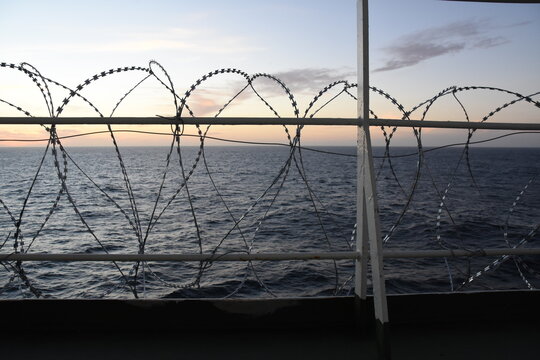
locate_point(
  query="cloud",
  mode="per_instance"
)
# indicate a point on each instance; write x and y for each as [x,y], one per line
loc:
[309,80]
[490,42]
[452,38]
[208,101]
[205,41]
[121,46]
[411,54]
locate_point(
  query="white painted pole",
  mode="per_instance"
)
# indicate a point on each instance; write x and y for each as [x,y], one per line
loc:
[362,236]
[366,188]
[362,246]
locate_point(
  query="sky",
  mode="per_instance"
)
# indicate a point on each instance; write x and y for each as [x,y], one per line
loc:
[417,48]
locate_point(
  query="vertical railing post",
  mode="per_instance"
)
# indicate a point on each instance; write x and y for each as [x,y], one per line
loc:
[368,227]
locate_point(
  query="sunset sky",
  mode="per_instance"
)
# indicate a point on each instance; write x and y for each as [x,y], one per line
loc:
[418,47]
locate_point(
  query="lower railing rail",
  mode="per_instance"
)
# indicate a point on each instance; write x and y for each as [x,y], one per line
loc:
[334,255]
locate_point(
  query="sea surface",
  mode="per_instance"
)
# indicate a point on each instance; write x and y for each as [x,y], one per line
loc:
[262,199]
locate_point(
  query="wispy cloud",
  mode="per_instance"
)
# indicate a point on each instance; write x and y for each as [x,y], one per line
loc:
[452,38]
[203,104]
[412,53]
[489,42]
[205,41]
[309,80]
[208,101]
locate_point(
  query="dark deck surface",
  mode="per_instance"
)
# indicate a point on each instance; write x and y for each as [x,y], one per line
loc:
[502,325]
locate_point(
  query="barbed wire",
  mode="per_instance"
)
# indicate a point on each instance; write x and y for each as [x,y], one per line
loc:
[265,202]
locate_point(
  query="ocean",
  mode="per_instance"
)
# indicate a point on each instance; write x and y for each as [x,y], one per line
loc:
[444,199]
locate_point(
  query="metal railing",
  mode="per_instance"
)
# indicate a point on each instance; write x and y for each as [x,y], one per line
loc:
[330,255]
[341,255]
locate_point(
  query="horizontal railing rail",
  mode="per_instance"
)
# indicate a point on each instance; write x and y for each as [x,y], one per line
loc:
[335,255]
[160,120]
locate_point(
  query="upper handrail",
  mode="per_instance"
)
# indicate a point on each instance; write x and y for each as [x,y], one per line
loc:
[161,120]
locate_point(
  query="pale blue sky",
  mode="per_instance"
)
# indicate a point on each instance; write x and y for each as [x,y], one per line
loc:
[418,47]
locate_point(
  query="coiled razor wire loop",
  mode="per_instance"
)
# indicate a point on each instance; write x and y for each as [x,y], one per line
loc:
[465,154]
[207,265]
[18,245]
[266,200]
[516,259]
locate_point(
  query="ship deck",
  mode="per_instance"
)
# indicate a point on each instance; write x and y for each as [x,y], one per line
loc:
[485,325]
